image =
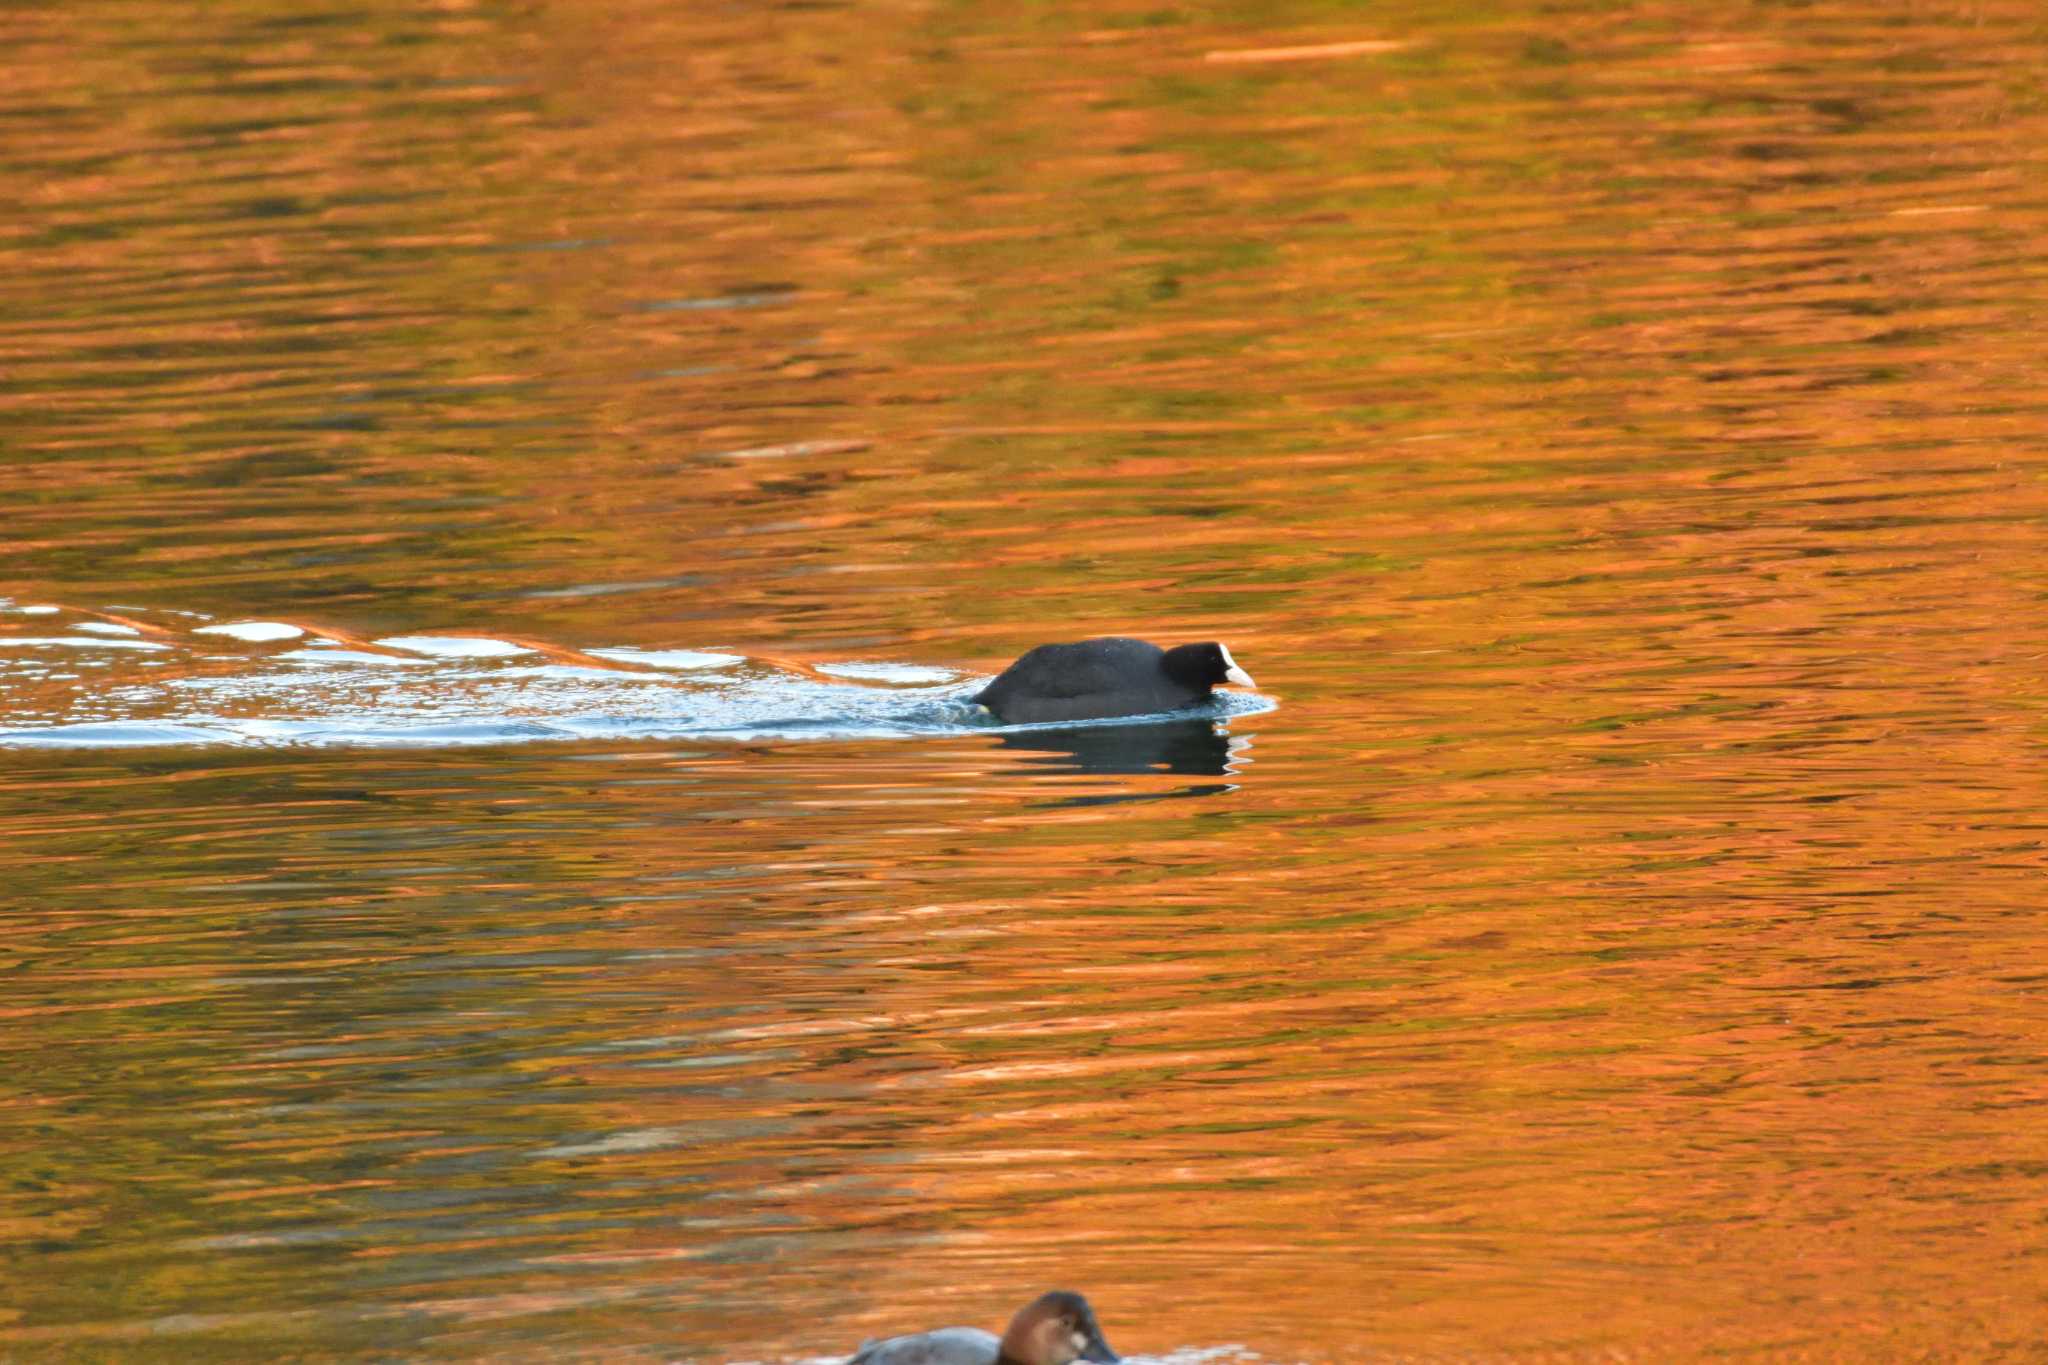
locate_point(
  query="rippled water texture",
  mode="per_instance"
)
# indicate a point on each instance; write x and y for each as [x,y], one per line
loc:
[1613,434]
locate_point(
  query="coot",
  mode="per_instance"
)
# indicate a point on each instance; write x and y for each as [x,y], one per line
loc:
[1053,1329]
[1113,676]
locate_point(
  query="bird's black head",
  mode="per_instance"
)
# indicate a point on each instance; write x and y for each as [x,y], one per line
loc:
[1204,666]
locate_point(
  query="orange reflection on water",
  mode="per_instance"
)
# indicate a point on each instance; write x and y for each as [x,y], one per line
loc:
[1612,433]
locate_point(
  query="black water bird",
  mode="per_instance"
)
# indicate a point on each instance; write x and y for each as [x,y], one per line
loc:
[1053,1329]
[1113,676]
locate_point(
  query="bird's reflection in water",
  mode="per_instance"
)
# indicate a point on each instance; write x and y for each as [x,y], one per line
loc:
[1197,748]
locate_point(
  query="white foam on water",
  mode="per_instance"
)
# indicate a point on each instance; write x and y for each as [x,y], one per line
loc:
[889,673]
[115,734]
[413,715]
[669,658]
[469,690]
[76,642]
[325,653]
[102,628]
[454,646]
[255,632]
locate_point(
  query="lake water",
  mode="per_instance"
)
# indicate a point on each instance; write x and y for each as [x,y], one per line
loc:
[582,921]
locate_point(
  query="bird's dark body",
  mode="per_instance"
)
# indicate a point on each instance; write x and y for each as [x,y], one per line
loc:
[1090,680]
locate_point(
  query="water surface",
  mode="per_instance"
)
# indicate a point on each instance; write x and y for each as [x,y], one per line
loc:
[1612,432]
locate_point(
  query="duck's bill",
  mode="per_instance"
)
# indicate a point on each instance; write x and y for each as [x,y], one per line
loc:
[1098,1350]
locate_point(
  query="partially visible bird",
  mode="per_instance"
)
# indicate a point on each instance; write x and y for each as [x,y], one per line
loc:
[1056,1328]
